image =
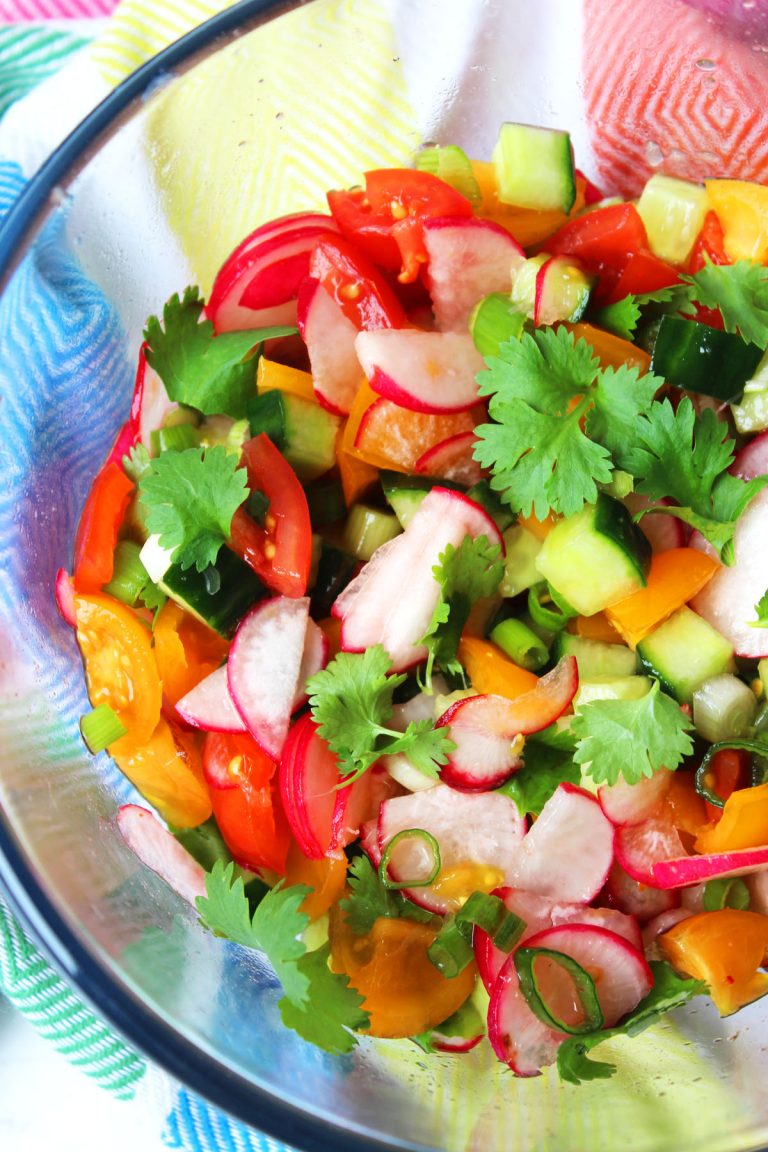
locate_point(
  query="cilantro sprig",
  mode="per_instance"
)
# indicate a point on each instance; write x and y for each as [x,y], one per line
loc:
[213,373]
[465,574]
[368,900]
[547,763]
[630,738]
[318,1004]
[351,701]
[740,293]
[561,421]
[189,498]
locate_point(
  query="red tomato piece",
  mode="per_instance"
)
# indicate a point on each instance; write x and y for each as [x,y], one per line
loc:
[642,272]
[603,240]
[280,549]
[98,528]
[242,780]
[360,290]
[709,244]
[384,219]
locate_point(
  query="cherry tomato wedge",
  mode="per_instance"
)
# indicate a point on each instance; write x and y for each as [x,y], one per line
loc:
[186,651]
[168,772]
[98,528]
[360,290]
[280,549]
[247,808]
[385,217]
[709,245]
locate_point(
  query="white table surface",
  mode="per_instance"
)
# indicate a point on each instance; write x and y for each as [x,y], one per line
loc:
[48,1106]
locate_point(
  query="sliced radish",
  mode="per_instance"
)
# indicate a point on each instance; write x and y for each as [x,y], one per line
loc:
[454,1045]
[610,918]
[65,597]
[634,898]
[159,850]
[632,803]
[661,924]
[663,531]
[758,892]
[421,371]
[568,852]
[452,459]
[562,290]
[752,460]
[476,834]
[517,1036]
[620,972]
[685,870]
[309,778]
[293,222]
[369,841]
[264,665]
[468,258]
[484,728]
[330,339]
[419,707]
[728,600]
[313,659]
[360,803]
[373,609]
[536,914]
[209,705]
[640,846]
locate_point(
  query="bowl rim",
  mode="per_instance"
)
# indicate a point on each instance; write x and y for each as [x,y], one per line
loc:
[110,998]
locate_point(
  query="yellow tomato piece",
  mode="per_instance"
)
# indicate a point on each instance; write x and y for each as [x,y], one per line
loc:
[725,949]
[167,770]
[456,884]
[403,991]
[742,208]
[326,877]
[270,376]
[743,823]
[186,651]
[490,671]
[120,668]
[674,578]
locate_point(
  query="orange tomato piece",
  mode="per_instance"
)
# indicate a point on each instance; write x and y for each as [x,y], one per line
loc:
[490,671]
[611,351]
[743,823]
[167,770]
[186,651]
[120,668]
[326,877]
[403,991]
[725,949]
[674,578]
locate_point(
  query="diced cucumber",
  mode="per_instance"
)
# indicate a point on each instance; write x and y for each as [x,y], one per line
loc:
[595,558]
[520,571]
[611,688]
[673,212]
[325,500]
[523,295]
[367,529]
[494,321]
[594,658]
[404,494]
[534,168]
[704,359]
[450,163]
[335,569]
[304,432]
[239,586]
[751,414]
[683,652]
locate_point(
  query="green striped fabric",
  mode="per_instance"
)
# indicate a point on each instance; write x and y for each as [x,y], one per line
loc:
[29,53]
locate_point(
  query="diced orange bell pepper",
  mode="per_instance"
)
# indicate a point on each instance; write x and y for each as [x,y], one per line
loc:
[271,375]
[356,475]
[528,226]
[597,627]
[326,877]
[674,578]
[742,208]
[743,824]
[611,351]
[538,528]
[186,651]
[490,671]
[725,949]
[167,770]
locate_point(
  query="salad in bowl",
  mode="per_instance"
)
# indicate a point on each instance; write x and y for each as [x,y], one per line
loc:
[423,597]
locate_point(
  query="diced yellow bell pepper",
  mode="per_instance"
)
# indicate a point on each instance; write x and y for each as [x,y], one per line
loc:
[742,208]
[743,824]
[270,376]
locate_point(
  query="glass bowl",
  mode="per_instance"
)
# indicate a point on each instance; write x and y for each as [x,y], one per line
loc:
[253,115]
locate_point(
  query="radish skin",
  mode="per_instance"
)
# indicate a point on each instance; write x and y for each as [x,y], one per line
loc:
[160,851]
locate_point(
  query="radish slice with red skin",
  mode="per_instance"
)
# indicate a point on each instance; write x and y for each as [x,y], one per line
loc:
[452,459]
[272,228]
[468,258]
[477,833]
[313,659]
[686,870]
[160,851]
[330,339]
[728,600]
[635,899]
[752,460]
[663,531]
[455,1045]
[369,841]
[517,1036]
[484,728]
[372,608]
[633,803]
[361,804]
[610,918]
[661,924]
[263,668]
[209,705]
[619,971]
[536,914]
[309,777]
[65,597]
[568,852]
[421,371]
[640,846]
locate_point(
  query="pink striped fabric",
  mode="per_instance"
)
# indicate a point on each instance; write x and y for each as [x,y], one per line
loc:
[13,11]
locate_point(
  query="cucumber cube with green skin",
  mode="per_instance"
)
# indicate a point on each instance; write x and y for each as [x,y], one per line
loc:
[683,652]
[611,688]
[595,659]
[534,168]
[595,558]
[404,493]
[520,571]
[304,432]
[673,212]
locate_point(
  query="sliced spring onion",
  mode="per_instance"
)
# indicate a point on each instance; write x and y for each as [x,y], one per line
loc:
[418,882]
[547,609]
[723,708]
[100,728]
[450,163]
[129,576]
[521,644]
[174,438]
[758,748]
[451,950]
[730,892]
[494,322]
[582,983]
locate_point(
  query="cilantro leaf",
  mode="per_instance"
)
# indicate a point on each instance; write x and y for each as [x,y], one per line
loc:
[621,317]
[465,574]
[319,1004]
[761,611]
[206,371]
[669,991]
[740,292]
[621,396]
[351,701]
[545,767]
[189,499]
[631,738]
[369,899]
